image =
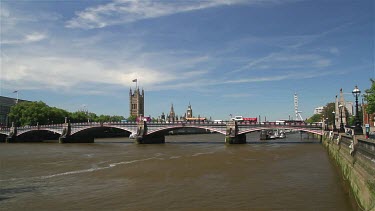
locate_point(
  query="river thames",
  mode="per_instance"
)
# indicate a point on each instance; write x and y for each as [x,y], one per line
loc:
[189,172]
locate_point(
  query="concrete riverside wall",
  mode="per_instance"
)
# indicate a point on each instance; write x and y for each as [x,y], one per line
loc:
[356,158]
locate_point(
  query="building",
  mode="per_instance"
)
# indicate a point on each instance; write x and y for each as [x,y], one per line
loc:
[189,112]
[172,114]
[350,108]
[368,118]
[136,102]
[340,101]
[5,104]
[318,110]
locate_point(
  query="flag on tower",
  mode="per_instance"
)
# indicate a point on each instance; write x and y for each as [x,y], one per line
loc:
[134,80]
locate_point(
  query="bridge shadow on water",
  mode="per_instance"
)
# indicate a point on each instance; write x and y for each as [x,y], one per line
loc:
[194,142]
[113,142]
[283,142]
[248,142]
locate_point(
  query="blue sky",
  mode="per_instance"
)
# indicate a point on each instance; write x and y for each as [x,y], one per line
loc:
[240,57]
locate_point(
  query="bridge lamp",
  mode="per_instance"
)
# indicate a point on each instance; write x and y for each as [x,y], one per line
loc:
[342,129]
[357,128]
[334,121]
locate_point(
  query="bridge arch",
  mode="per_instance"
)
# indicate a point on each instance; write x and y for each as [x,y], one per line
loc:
[21,132]
[37,135]
[98,128]
[176,127]
[4,133]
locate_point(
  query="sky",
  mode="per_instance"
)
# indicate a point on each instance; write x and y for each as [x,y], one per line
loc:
[239,57]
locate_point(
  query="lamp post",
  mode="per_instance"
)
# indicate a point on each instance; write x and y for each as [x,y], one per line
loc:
[342,129]
[327,124]
[357,128]
[334,129]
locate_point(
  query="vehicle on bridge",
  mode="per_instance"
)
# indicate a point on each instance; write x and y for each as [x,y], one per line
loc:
[250,119]
[241,119]
[143,118]
[195,119]
[238,118]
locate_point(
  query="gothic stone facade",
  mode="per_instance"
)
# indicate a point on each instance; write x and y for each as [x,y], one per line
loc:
[136,103]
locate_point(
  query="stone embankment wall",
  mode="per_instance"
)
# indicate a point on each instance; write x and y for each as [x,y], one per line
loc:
[355,156]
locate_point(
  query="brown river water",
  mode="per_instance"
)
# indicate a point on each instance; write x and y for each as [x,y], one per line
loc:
[188,172]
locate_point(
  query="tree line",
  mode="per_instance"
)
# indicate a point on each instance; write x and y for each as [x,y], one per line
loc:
[33,113]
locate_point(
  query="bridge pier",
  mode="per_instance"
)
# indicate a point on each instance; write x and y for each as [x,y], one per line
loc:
[151,139]
[76,139]
[66,136]
[143,138]
[232,136]
[263,135]
[12,135]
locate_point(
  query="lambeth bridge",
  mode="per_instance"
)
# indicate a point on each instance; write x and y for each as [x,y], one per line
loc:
[152,132]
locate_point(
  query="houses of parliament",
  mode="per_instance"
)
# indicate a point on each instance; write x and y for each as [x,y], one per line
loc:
[137,107]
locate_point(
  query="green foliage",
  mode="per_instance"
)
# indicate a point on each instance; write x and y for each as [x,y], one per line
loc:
[315,118]
[108,118]
[327,112]
[132,118]
[352,119]
[370,98]
[31,113]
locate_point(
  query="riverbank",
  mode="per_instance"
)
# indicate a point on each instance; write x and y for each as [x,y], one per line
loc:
[355,156]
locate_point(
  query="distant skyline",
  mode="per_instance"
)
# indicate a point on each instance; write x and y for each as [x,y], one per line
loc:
[239,57]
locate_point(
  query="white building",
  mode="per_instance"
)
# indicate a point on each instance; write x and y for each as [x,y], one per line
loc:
[349,107]
[318,110]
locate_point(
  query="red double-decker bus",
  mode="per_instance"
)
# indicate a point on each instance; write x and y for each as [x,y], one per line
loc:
[250,119]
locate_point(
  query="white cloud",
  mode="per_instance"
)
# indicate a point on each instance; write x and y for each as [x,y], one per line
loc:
[334,51]
[285,76]
[82,74]
[91,76]
[28,38]
[323,63]
[284,60]
[34,37]
[126,11]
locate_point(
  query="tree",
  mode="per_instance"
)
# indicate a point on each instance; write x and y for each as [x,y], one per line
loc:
[327,112]
[370,98]
[315,118]
[132,118]
[32,113]
[78,116]
[116,118]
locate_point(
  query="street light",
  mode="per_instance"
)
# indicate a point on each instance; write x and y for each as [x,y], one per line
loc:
[342,129]
[327,124]
[334,121]
[357,128]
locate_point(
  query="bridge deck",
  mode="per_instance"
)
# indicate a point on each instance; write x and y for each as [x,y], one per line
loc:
[154,127]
